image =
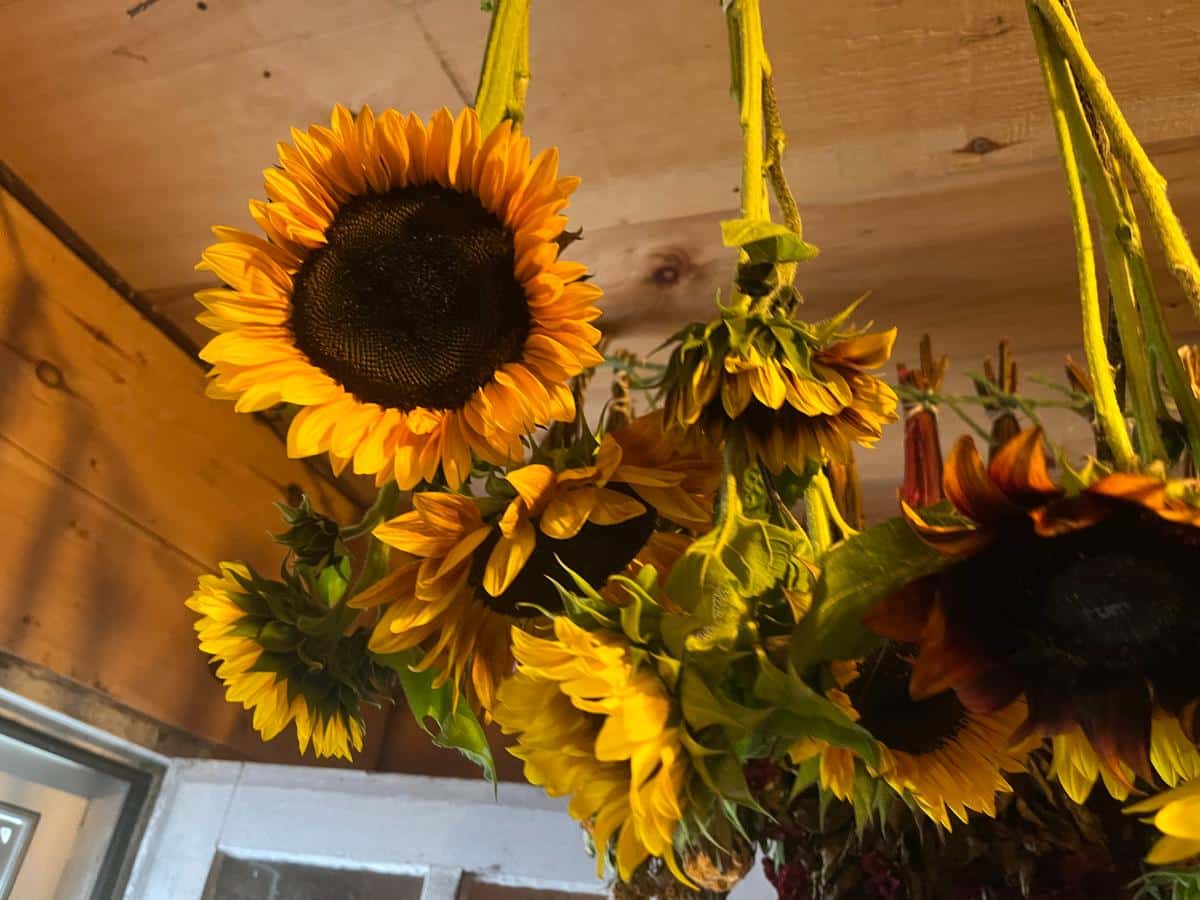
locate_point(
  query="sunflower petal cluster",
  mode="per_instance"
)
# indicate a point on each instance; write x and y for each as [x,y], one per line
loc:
[797,391]
[473,569]
[1176,813]
[253,630]
[406,293]
[947,760]
[594,725]
[1081,603]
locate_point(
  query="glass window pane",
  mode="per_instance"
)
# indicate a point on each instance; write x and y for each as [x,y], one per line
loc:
[252,879]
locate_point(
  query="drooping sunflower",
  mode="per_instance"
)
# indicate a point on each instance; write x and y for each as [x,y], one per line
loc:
[261,669]
[798,392]
[946,758]
[1177,816]
[1084,604]
[476,567]
[408,295]
[593,725]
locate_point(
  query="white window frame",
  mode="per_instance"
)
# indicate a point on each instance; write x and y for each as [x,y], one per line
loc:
[440,829]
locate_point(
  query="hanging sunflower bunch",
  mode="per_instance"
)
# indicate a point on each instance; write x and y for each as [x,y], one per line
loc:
[674,617]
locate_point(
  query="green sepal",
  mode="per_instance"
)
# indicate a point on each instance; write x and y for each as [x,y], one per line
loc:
[252,605]
[702,708]
[855,575]
[807,774]
[279,637]
[276,663]
[640,616]
[587,609]
[721,771]
[455,726]
[331,582]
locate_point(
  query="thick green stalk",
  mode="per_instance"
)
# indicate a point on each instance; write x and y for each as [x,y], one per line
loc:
[749,67]
[1149,181]
[1158,335]
[1140,377]
[1108,410]
[504,79]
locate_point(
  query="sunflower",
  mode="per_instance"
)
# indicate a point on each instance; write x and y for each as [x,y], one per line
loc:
[1076,765]
[593,725]
[797,391]
[408,295]
[946,758]
[1177,816]
[1084,604]
[473,571]
[261,669]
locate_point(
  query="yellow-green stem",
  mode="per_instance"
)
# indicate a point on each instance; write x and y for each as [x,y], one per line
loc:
[1149,181]
[1158,335]
[749,68]
[504,79]
[1101,181]
[1108,410]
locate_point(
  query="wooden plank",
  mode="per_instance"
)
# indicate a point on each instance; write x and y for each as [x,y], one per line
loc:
[180,112]
[124,483]
[881,99]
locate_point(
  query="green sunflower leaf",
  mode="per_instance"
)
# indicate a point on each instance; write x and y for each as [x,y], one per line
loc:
[720,574]
[855,575]
[765,241]
[454,725]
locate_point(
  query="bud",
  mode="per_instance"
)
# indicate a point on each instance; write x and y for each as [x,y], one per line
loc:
[1000,380]
[922,443]
[315,540]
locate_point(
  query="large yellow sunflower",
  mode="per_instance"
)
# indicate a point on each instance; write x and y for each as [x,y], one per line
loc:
[1177,816]
[279,686]
[947,759]
[473,570]
[408,295]
[1084,604]
[593,725]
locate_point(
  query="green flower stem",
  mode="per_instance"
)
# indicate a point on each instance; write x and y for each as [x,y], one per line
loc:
[1158,336]
[1108,410]
[379,512]
[1149,181]
[504,79]
[776,142]
[749,57]
[1100,179]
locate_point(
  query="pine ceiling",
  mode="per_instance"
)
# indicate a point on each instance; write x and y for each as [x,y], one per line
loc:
[920,148]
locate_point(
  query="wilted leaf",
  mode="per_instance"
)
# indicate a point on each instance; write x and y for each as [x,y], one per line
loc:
[765,241]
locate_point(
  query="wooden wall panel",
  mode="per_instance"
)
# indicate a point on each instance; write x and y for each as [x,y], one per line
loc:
[121,484]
